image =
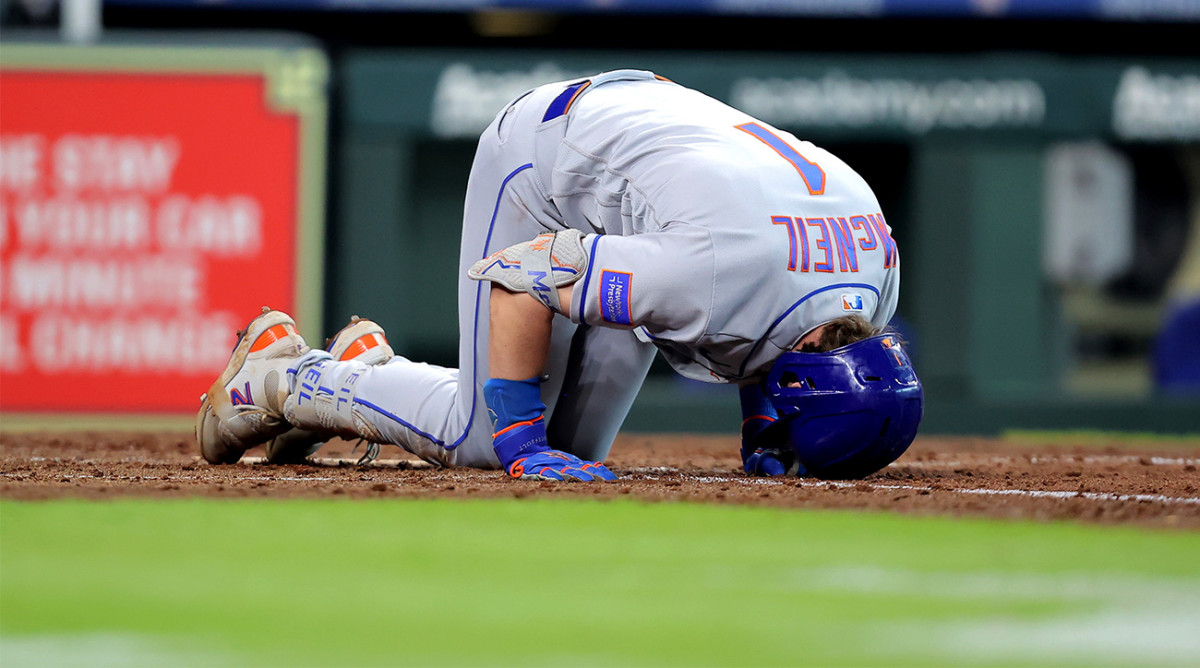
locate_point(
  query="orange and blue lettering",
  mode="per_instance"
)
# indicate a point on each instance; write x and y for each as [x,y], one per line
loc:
[802,233]
[891,256]
[847,255]
[788,223]
[811,172]
[821,243]
[837,235]
[860,223]
[238,399]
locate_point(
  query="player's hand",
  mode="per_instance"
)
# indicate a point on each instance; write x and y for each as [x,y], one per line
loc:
[760,452]
[558,465]
[768,461]
[523,452]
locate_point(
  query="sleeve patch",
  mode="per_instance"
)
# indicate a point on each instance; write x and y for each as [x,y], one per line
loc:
[614,297]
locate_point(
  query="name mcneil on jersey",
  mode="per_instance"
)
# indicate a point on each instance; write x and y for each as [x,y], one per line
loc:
[310,384]
[821,244]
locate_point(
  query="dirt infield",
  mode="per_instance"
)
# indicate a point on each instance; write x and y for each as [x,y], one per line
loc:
[1113,483]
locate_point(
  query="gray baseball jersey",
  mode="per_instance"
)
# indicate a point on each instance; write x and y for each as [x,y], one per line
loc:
[721,239]
[713,238]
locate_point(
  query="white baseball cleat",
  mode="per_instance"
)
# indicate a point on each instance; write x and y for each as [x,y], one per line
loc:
[244,407]
[362,340]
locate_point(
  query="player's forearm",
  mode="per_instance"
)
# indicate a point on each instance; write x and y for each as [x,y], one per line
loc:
[519,341]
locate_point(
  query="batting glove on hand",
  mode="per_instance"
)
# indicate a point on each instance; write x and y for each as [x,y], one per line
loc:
[558,465]
[524,453]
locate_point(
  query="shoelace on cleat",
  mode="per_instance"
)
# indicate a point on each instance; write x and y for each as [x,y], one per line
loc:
[370,455]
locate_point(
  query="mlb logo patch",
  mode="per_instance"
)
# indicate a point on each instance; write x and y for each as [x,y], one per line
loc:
[852,303]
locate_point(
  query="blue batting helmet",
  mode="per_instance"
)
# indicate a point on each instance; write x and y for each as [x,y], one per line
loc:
[847,412]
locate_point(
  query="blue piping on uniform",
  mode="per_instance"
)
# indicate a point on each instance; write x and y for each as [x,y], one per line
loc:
[757,344]
[742,370]
[475,335]
[418,432]
[587,279]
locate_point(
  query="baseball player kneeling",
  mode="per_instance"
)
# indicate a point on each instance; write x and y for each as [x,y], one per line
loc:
[608,219]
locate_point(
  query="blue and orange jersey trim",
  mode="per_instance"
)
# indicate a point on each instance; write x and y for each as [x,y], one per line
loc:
[562,104]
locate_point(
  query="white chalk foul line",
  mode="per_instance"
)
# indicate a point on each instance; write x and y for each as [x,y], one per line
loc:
[175,478]
[650,473]
[1054,459]
[352,461]
[313,461]
[1031,493]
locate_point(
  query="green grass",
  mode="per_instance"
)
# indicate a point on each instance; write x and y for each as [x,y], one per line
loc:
[528,583]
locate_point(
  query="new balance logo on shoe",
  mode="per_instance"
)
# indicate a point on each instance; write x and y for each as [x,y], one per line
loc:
[238,399]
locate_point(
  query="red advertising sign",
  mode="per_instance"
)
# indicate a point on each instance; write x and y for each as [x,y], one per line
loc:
[143,219]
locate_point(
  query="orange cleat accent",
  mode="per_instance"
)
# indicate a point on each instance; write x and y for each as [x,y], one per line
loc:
[244,406]
[362,345]
[275,333]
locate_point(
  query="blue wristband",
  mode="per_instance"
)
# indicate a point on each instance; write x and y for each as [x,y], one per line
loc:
[516,408]
[513,401]
[757,415]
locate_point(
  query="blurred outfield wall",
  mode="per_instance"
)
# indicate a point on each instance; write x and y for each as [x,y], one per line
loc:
[1013,320]
[1006,334]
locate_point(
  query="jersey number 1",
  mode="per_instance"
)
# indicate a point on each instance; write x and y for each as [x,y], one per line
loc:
[811,172]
